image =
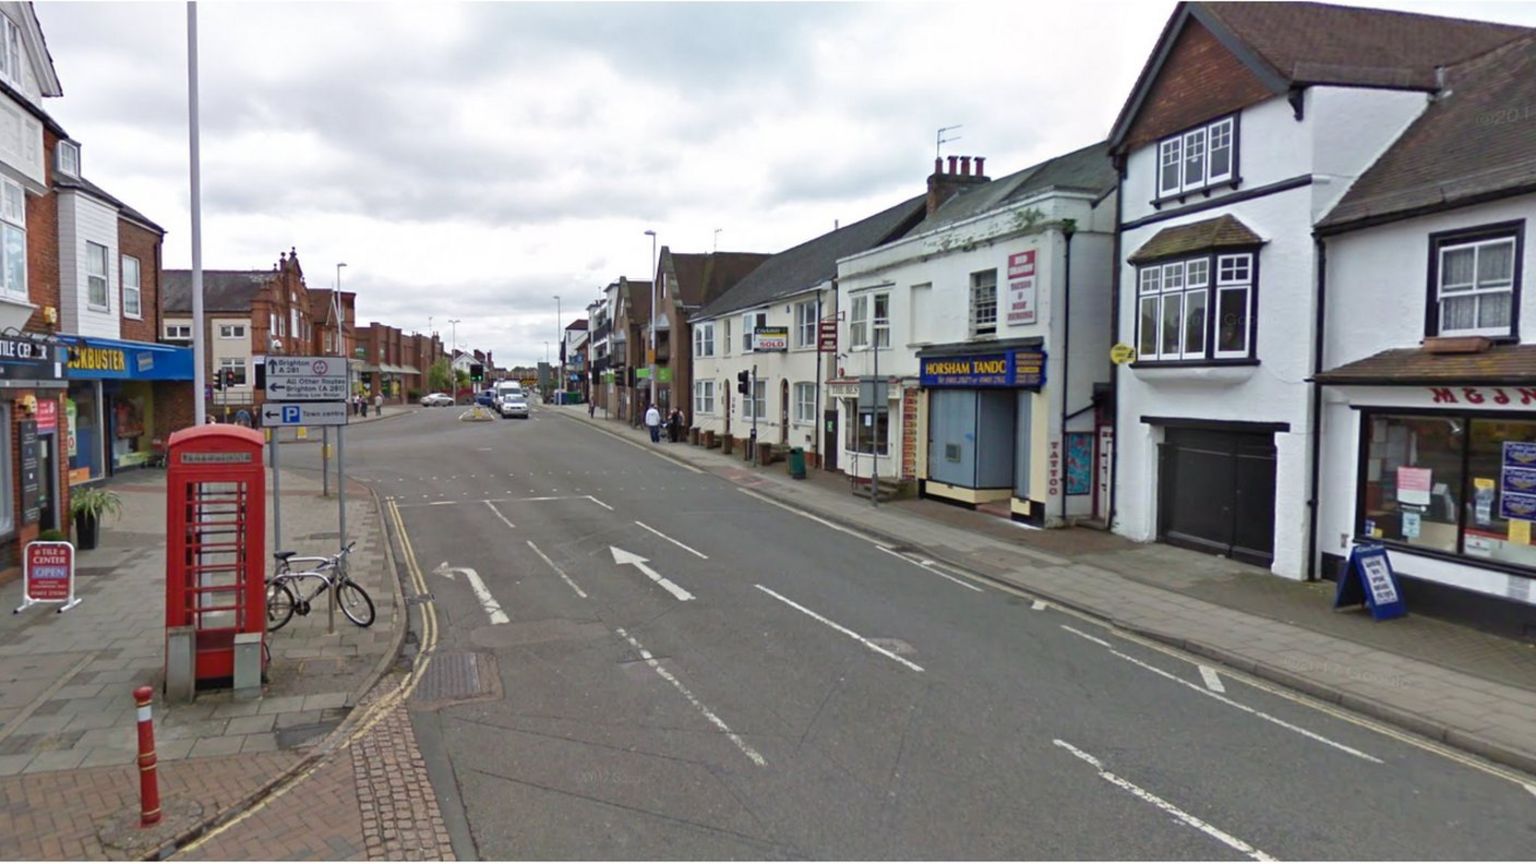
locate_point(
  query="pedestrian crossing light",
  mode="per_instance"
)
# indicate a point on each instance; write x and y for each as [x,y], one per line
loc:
[476,372]
[743,382]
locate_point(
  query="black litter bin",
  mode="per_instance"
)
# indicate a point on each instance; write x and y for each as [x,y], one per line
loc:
[797,463]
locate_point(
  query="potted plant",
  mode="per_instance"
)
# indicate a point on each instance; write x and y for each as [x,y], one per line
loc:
[88,506]
[51,535]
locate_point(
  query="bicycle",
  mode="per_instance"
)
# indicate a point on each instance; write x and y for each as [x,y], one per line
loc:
[286,594]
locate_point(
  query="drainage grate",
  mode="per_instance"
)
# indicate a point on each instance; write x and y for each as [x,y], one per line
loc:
[457,677]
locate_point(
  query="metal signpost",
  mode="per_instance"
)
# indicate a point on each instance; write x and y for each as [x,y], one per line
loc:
[307,391]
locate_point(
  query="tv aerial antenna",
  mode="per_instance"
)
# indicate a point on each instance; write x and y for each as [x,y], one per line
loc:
[939,140]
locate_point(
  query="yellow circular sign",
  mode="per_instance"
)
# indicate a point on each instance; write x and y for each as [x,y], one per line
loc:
[1121,353]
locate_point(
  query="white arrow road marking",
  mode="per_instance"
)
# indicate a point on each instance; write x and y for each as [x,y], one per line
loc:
[841,629]
[1531,788]
[1212,680]
[1192,821]
[492,608]
[670,540]
[620,557]
[504,519]
[744,747]
[568,580]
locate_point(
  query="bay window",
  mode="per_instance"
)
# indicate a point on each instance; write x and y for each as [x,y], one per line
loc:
[1453,484]
[1198,158]
[1474,280]
[1175,301]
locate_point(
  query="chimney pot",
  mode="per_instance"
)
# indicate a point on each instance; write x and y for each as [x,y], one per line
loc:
[979,162]
[952,161]
[938,165]
[965,166]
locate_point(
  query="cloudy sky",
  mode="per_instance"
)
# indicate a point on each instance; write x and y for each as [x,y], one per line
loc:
[472,161]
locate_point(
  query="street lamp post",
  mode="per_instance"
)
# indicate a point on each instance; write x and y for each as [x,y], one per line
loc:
[453,369]
[325,431]
[559,338]
[652,358]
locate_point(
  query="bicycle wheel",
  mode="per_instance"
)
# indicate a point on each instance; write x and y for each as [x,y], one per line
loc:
[355,603]
[280,605]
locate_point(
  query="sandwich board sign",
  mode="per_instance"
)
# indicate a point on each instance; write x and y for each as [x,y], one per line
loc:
[49,575]
[1367,578]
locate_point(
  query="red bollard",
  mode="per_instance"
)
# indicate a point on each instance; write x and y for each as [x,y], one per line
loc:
[149,785]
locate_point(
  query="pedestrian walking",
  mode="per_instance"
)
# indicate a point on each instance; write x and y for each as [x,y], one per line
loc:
[362,404]
[378,404]
[653,423]
[591,409]
[675,425]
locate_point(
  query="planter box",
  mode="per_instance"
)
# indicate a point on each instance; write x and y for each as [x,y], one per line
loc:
[710,440]
[693,436]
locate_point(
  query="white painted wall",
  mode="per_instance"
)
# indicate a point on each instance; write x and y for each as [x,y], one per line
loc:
[84,219]
[1351,128]
[1377,297]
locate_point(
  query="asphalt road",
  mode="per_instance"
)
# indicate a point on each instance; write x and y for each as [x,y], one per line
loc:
[765,685]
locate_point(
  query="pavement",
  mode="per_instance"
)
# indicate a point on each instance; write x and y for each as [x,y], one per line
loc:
[1445,681]
[67,716]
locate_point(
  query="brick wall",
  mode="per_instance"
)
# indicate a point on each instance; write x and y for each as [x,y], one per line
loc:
[1200,80]
[43,244]
[141,243]
[174,407]
[909,437]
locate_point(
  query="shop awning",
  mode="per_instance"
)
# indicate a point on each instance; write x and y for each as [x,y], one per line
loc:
[363,366]
[410,370]
[97,358]
[1440,361]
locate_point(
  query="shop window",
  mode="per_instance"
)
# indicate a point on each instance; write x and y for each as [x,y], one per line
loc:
[1417,494]
[1474,284]
[7,505]
[870,428]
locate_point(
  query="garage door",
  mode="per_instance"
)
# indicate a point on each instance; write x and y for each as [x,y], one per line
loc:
[1216,493]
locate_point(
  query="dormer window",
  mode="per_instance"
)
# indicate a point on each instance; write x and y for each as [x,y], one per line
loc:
[1197,159]
[69,159]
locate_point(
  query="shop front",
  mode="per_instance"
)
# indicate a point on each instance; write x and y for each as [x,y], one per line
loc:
[32,381]
[1444,476]
[115,387]
[987,423]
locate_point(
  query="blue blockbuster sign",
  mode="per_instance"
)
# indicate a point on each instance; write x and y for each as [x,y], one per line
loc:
[1022,368]
[93,358]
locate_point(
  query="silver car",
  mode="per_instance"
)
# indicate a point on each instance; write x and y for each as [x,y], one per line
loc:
[436,400]
[512,405]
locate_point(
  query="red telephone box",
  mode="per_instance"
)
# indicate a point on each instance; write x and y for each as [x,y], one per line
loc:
[215,566]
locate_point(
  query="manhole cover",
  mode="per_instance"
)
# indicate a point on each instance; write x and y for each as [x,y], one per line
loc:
[457,677]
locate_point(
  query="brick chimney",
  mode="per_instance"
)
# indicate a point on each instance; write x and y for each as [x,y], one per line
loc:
[943,184]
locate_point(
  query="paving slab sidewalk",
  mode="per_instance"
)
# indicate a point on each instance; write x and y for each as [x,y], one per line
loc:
[1444,681]
[66,680]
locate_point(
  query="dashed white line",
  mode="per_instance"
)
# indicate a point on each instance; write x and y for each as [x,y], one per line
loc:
[555,567]
[841,629]
[1212,680]
[682,546]
[1531,788]
[1095,639]
[598,503]
[744,747]
[504,519]
[925,566]
[1192,821]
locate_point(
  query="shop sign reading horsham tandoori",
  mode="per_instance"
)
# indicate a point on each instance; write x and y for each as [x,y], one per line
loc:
[1024,368]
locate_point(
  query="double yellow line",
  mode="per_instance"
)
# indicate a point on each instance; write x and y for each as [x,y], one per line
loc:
[379,708]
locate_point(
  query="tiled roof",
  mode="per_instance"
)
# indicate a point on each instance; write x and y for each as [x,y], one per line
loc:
[1225,231]
[1086,170]
[1319,43]
[815,261]
[87,186]
[1474,141]
[1499,364]
[223,290]
[702,277]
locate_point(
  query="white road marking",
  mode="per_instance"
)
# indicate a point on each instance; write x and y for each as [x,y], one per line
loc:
[1037,605]
[438,503]
[924,565]
[553,566]
[620,557]
[1212,680]
[476,584]
[670,540]
[1071,629]
[1531,788]
[813,517]
[504,519]
[744,747]
[841,629]
[1192,821]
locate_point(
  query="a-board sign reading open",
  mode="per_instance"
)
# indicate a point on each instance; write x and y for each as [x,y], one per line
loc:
[49,575]
[1367,578]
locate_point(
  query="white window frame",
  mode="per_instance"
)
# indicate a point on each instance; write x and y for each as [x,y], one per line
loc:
[238,364]
[725,325]
[704,397]
[1187,284]
[133,289]
[1229,278]
[7,501]
[881,324]
[67,159]
[178,331]
[1474,288]
[805,324]
[982,326]
[805,402]
[232,331]
[858,323]
[1183,161]
[756,402]
[13,224]
[11,53]
[704,339]
[102,279]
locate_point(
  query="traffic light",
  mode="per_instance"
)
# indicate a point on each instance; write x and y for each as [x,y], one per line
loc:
[476,372]
[218,380]
[743,382]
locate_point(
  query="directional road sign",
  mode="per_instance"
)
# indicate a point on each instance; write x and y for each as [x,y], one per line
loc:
[307,379]
[304,414]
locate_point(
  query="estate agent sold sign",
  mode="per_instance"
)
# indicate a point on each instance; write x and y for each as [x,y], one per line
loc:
[50,575]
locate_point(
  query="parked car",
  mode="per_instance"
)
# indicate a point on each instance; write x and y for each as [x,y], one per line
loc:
[513,404]
[436,400]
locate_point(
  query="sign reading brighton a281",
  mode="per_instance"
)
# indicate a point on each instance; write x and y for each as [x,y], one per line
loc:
[306,379]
